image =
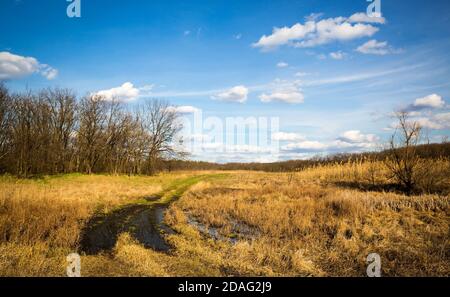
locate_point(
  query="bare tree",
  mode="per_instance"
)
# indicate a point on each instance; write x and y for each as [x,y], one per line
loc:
[403,160]
[160,123]
[90,134]
[51,132]
[120,139]
[5,123]
[62,104]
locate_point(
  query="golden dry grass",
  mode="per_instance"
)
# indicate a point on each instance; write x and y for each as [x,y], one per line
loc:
[303,224]
[41,219]
[298,224]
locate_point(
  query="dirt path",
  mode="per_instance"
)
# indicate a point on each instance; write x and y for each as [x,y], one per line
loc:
[143,220]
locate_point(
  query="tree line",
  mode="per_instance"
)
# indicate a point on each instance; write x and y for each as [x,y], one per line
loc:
[51,131]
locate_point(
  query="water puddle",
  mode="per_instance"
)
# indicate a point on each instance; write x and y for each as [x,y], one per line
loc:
[143,222]
[240,231]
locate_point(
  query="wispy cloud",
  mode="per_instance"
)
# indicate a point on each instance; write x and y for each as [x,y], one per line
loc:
[358,76]
[375,47]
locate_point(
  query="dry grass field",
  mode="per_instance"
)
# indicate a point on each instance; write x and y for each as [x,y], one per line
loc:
[322,221]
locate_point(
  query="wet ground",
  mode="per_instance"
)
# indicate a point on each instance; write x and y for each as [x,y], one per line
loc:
[238,231]
[144,221]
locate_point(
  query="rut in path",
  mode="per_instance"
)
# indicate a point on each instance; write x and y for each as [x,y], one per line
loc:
[144,221]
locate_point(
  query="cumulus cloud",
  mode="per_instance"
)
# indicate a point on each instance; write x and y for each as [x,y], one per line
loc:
[317,32]
[429,112]
[284,91]
[361,17]
[430,101]
[126,92]
[15,66]
[282,64]
[339,55]
[284,136]
[281,36]
[375,47]
[235,94]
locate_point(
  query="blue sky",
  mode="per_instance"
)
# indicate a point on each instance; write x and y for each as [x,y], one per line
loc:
[330,74]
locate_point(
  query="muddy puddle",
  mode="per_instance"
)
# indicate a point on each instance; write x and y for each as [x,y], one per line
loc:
[143,222]
[239,231]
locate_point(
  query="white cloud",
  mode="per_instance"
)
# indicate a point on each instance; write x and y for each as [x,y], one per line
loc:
[281,36]
[362,17]
[443,117]
[14,66]
[147,88]
[235,94]
[126,92]
[355,136]
[315,32]
[305,146]
[284,136]
[238,36]
[301,74]
[186,33]
[184,109]
[429,123]
[343,146]
[337,55]
[284,91]
[288,96]
[48,72]
[349,141]
[436,122]
[282,64]
[375,47]
[336,29]
[431,101]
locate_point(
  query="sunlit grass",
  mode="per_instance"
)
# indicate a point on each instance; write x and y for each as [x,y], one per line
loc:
[304,223]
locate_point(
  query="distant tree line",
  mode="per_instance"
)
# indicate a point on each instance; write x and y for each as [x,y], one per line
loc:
[52,131]
[425,151]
